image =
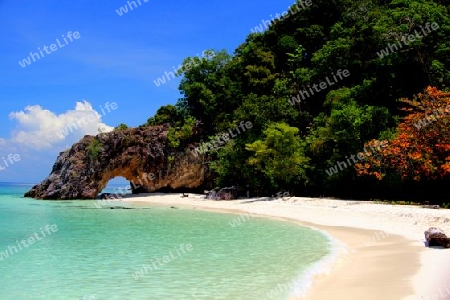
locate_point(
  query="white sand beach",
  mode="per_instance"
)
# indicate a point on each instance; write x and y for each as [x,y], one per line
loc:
[386,256]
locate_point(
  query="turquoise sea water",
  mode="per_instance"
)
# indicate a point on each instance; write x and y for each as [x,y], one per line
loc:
[188,254]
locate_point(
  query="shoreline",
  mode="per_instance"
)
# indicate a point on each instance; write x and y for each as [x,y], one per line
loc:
[387,257]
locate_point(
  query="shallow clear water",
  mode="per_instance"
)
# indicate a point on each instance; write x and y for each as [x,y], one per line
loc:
[95,253]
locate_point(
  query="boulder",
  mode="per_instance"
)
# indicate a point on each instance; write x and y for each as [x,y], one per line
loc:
[228,193]
[211,195]
[436,237]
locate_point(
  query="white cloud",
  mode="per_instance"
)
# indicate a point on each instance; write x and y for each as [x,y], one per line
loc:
[39,128]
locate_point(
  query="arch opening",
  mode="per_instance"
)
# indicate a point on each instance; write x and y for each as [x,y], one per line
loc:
[116,188]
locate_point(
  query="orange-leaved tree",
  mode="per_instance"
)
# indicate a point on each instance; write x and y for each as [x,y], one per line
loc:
[420,148]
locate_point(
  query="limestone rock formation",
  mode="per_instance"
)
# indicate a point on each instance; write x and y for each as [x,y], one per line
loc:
[436,237]
[141,155]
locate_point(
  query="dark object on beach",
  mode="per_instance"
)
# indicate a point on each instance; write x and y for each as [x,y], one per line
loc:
[173,207]
[431,206]
[228,193]
[436,237]
[107,196]
[119,207]
[184,196]
[211,195]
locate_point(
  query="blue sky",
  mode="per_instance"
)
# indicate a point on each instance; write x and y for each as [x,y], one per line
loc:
[114,60]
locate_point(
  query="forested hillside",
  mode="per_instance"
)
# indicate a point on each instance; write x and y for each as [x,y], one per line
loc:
[326,91]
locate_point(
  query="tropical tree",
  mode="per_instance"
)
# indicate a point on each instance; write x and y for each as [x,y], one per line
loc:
[166,114]
[279,156]
[420,148]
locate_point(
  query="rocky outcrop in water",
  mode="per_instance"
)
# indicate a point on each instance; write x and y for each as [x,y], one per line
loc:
[141,155]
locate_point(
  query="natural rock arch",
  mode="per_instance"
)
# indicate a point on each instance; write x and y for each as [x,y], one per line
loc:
[141,155]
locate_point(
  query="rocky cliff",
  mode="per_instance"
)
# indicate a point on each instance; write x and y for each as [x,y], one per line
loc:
[141,155]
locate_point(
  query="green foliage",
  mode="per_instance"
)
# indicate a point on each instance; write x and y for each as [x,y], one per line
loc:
[178,117]
[172,136]
[206,87]
[166,114]
[279,156]
[121,126]
[291,144]
[341,133]
[177,135]
[94,148]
